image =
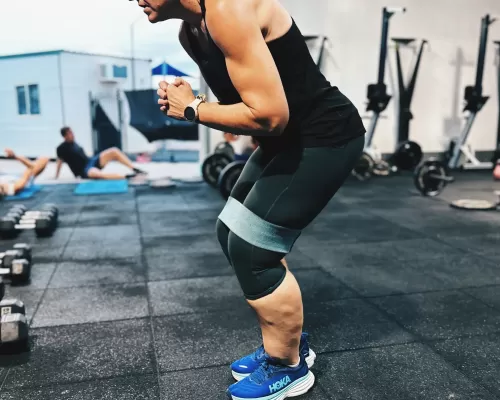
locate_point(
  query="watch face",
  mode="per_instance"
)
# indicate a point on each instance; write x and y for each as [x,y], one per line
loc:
[190,114]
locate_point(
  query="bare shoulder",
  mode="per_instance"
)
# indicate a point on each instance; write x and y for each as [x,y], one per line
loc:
[228,9]
[230,21]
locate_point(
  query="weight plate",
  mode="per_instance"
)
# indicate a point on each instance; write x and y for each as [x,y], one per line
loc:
[408,156]
[425,178]
[363,170]
[212,168]
[225,148]
[474,205]
[228,178]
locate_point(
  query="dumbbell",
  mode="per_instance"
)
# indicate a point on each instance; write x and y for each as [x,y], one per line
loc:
[44,226]
[13,330]
[14,267]
[25,251]
[13,323]
[46,210]
[21,208]
[12,306]
[15,212]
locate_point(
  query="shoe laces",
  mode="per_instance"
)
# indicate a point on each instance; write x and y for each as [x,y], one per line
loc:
[259,353]
[264,372]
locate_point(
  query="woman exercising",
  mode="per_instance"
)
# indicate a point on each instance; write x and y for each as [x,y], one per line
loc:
[10,186]
[255,60]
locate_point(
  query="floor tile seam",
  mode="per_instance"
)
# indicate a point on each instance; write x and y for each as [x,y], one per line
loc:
[430,291]
[144,260]
[465,291]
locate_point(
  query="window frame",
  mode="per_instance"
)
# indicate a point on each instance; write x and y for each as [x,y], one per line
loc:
[28,99]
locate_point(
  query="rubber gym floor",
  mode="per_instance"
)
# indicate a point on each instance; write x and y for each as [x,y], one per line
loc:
[132,299]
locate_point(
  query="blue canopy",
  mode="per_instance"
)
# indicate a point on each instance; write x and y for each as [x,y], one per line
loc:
[166,69]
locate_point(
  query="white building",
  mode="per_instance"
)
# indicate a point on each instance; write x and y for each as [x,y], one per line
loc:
[42,92]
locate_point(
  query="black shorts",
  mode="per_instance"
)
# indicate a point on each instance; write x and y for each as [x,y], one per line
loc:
[93,163]
[291,187]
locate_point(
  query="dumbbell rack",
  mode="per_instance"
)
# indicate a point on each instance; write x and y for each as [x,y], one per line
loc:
[43,221]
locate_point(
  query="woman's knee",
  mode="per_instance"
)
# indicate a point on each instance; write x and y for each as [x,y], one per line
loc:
[260,272]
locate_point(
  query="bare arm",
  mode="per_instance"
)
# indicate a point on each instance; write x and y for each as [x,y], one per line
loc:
[253,72]
[58,167]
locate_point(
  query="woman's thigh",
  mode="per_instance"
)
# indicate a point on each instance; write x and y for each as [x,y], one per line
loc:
[295,185]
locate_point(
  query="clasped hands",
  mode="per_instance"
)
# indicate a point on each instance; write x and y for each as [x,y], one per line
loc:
[175,97]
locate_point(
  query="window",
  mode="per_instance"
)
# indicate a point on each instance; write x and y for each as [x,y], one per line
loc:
[33,101]
[21,100]
[119,72]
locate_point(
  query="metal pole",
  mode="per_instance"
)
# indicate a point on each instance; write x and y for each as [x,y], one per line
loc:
[132,48]
[483,42]
[498,82]
[383,45]
[387,13]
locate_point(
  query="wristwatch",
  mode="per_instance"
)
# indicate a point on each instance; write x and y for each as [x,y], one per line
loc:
[191,111]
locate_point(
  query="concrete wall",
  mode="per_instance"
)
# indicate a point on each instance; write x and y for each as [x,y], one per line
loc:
[451,26]
[30,134]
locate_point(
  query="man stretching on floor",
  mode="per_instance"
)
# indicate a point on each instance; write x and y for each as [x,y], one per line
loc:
[9,186]
[90,168]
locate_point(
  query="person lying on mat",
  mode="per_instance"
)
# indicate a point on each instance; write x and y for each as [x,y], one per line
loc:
[11,185]
[81,165]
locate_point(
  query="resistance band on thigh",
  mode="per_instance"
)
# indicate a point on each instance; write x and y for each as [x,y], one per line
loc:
[255,230]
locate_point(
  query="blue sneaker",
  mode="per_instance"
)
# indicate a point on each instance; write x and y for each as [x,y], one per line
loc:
[246,365]
[273,381]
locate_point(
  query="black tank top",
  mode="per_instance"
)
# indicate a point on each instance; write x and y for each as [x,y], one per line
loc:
[320,115]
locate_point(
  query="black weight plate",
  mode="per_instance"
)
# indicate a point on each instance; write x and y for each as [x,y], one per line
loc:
[212,167]
[363,169]
[225,148]
[424,180]
[408,156]
[228,178]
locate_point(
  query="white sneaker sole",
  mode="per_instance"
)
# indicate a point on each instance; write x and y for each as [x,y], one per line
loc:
[310,359]
[298,388]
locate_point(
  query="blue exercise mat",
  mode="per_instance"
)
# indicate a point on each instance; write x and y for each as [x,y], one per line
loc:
[101,187]
[24,194]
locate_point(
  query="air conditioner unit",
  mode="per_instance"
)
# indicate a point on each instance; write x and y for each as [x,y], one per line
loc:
[107,74]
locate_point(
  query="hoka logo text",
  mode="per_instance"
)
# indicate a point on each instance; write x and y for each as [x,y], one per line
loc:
[278,385]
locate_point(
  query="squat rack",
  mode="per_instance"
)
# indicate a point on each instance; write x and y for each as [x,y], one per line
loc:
[378,98]
[406,92]
[498,82]
[474,102]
